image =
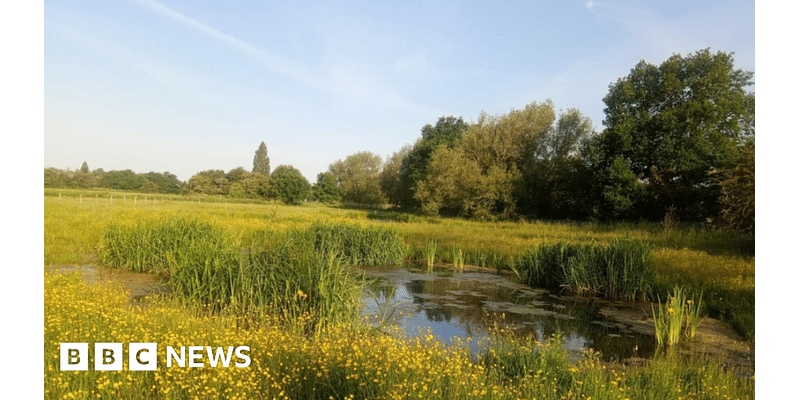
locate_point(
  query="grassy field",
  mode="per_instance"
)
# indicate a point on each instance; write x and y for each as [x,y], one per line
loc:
[343,359]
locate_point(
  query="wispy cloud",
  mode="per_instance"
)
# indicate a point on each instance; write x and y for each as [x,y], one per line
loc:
[270,60]
[350,83]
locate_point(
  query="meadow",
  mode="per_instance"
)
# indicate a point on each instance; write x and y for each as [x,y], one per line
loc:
[298,357]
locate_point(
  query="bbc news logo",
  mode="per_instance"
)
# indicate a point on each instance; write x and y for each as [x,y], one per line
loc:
[144,356]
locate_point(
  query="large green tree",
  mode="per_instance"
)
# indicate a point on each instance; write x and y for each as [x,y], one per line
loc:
[391,176]
[326,190]
[669,127]
[555,182]
[487,162]
[288,184]
[212,181]
[163,182]
[359,177]
[414,167]
[261,160]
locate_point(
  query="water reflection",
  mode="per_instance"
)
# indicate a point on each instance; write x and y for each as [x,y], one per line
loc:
[468,304]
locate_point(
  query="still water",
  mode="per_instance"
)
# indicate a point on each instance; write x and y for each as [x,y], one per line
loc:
[468,304]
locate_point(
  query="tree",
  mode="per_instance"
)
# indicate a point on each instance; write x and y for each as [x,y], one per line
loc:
[122,180]
[237,174]
[326,190]
[85,168]
[289,185]
[739,194]
[492,151]
[256,185]
[261,160]
[555,182]
[358,176]
[455,183]
[391,176]
[164,182]
[414,168]
[212,181]
[670,126]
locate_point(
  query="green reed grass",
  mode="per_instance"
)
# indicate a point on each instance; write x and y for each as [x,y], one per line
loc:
[430,253]
[373,245]
[694,308]
[679,315]
[669,319]
[458,259]
[294,273]
[621,269]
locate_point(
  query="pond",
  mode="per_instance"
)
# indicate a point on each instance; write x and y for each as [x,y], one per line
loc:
[468,304]
[465,304]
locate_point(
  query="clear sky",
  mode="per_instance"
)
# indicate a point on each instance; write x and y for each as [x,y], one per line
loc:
[186,86]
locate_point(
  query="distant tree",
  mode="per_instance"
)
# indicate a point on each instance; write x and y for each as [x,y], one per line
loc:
[237,174]
[208,182]
[738,200]
[256,185]
[54,178]
[164,182]
[358,176]
[667,128]
[555,182]
[456,183]
[326,190]
[85,168]
[289,185]
[122,180]
[414,168]
[261,160]
[391,176]
[149,187]
[493,148]
[237,190]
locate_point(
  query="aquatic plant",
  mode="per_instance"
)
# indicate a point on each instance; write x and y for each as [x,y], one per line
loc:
[458,259]
[430,253]
[621,269]
[679,315]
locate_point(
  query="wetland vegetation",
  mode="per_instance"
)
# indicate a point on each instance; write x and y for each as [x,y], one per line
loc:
[282,280]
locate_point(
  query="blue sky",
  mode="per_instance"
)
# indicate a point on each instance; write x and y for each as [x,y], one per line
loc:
[186,86]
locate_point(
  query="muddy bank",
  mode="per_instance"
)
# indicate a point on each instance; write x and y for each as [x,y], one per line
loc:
[138,285]
[714,340]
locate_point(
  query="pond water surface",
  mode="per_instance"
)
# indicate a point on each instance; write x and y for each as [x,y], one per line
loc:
[468,304]
[464,304]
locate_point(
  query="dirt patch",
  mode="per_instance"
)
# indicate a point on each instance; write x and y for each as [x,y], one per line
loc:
[713,340]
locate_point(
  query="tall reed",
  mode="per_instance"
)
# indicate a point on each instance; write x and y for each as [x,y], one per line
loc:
[458,259]
[669,319]
[430,253]
[621,269]
[300,274]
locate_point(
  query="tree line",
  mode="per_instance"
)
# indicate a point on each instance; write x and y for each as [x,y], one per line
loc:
[678,143]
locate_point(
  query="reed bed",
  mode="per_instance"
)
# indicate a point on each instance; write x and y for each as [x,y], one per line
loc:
[296,273]
[373,245]
[622,269]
